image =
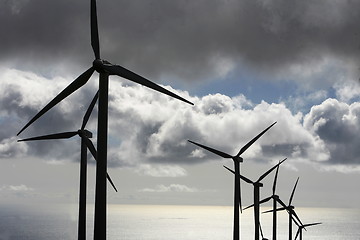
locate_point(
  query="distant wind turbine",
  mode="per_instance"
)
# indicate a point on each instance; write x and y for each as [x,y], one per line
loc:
[303,226]
[105,69]
[257,184]
[86,143]
[237,187]
[276,199]
[290,209]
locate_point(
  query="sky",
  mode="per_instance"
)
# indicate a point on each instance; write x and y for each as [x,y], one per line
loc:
[244,65]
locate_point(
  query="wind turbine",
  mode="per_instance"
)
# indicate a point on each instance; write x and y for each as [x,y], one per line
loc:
[257,184]
[303,226]
[275,200]
[237,188]
[86,143]
[105,69]
[290,209]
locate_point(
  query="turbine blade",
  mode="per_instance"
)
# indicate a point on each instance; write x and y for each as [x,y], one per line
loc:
[277,210]
[311,224]
[91,147]
[269,171]
[275,180]
[111,182]
[241,176]
[265,200]
[94,30]
[93,152]
[229,169]
[281,202]
[297,233]
[261,202]
[123,72]
[293,191]
[250,206]
[89,111]
[244,148]
[221,154]
[296,216]
[262,235]
[63,135]
[245,179]
[75,85]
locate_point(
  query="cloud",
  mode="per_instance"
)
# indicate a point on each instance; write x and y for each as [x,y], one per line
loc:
[149,131]
[161,170]
[336,124]
[187,41]
[21,188]
[20,191]
[16,188]
[22,99]
[347,91]
[171,188]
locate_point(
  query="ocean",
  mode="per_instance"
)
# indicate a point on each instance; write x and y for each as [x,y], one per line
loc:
[150,222]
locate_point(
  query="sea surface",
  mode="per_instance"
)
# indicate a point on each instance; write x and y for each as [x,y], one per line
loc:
[150,222]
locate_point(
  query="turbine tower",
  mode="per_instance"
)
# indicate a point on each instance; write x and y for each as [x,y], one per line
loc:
[257,184]
[86,143]
[237,187]
[105,69]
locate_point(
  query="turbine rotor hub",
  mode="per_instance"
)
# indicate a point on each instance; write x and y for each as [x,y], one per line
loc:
[238,159]
[85,133]
[259,184]
[98,65]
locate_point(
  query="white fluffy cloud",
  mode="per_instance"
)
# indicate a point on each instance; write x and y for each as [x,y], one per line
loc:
[336,124]
[149,130]
[161,170]
[171,188]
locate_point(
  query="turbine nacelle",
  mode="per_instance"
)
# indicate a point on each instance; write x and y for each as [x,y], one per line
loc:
[98,65]
[238,159]
[258,184]
[85,133]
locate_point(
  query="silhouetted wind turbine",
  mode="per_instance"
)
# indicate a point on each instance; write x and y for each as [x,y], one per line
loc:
[104,68]
[290,209]
[275,200]
[257,184]
[237,187]
[303,226]
[86,143]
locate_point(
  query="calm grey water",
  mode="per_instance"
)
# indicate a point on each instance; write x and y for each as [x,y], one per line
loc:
[135,222]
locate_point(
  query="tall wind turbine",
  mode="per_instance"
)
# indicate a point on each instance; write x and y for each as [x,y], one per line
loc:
[303,226]
[105,69]
[257,184]
[86,143]
[237,188]
[276,199]
[290,209]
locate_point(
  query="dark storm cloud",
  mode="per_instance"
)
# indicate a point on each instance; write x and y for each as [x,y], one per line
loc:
[337,125]
[183,39]
[20,100]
